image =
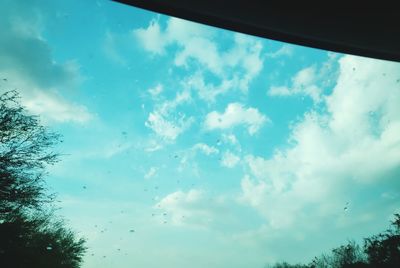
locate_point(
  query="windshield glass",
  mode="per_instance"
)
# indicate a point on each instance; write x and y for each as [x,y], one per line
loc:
[185,145]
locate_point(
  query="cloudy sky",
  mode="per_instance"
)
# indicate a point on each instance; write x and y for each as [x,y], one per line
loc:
[190,146]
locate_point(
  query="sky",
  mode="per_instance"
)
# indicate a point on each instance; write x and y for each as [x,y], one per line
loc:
[191,146]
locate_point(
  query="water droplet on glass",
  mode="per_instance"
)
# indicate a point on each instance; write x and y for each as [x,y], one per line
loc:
[49,247]
[2,221]
[131,231]
[84,187]
[354,68]
[346,207]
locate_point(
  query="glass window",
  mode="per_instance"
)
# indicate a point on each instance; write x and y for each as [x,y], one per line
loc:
[185,145]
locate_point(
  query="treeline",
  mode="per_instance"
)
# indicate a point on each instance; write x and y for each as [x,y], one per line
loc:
[381,250]
[31,234]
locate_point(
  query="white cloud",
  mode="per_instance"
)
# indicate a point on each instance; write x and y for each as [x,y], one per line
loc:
[53,108]
[165,122]
[209,91]
[202,50]
[284,50]
[183,208]
[151,173]
[167,129]
[153,146]
[206,149]
[155,91]
[177,31]
[235,67]
[230,138]
[304,82]
[310,81]
[354,144]
[194,208]
[151,38]
[36,75]
[236,114]
[229,160]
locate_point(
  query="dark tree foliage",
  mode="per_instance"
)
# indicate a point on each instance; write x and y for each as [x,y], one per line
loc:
[30,234]
[350,255]
[381,250]
[287,265]
[24,152]
[38,241]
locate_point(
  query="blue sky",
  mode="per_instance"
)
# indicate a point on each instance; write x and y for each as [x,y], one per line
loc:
[190,146]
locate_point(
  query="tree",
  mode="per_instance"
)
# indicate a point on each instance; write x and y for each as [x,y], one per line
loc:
[383,250]
[31,234]
[344,256]
[287,265]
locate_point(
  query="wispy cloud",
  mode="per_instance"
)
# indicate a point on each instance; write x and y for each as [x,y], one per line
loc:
[284,50]
[151,173]
[310,81]
[155,91]
[234,115]
[165,123]
[194,208]
[206,149]
[235,67]
[229,160]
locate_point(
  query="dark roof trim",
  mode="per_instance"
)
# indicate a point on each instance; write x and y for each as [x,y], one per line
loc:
[368,31]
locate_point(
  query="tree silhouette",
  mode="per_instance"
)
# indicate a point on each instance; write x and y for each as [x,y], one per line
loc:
[346,256]
[381,250]
[30,233]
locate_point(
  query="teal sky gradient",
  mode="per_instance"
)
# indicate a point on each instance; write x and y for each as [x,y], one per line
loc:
[191,146]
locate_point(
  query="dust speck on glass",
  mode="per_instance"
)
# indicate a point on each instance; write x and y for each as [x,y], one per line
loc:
[186,145]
